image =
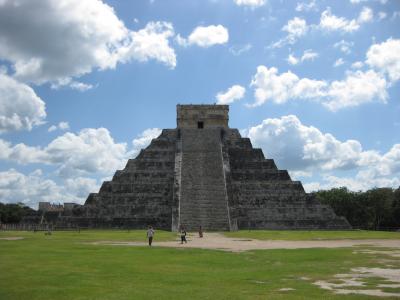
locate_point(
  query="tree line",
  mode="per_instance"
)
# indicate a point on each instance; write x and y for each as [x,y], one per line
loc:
[13,212]
[375,209]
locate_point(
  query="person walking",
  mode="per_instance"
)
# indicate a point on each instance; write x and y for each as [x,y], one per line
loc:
[183,235]
[200,232]
[150,234]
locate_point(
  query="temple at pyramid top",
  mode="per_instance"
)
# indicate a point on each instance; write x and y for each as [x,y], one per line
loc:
[202,173]
[202,116]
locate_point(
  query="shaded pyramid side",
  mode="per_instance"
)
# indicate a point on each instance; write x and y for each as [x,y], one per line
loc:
[139,195]
[263,197]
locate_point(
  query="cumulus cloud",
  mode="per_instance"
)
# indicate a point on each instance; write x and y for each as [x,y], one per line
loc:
[20,107]
[34,187]
[151,42]
[357,88]
[90,151]
[234,93]
[295,29]
[299,147]
[250,3]
[385,57]
[305,149]
[84,35]
[205,36]
[272,86]
[331,22]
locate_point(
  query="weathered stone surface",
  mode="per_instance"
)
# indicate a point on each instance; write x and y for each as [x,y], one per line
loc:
[202,174]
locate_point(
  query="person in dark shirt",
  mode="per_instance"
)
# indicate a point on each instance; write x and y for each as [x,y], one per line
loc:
[183,235]
[150,234]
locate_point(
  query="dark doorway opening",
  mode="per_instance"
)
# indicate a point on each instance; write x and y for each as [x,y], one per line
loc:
[200,125]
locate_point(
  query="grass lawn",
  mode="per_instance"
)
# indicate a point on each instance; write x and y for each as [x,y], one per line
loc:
[62,266]
[303,235]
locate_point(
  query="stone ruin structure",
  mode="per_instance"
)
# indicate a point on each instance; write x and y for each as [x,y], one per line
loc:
[202,173]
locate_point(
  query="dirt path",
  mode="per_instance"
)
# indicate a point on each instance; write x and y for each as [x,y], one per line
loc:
[221,242]
[12,238]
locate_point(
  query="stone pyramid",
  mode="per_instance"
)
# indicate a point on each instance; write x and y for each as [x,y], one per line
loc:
[203,173]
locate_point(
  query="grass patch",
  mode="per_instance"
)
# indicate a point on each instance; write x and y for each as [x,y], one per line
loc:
[61,266]
[304,235]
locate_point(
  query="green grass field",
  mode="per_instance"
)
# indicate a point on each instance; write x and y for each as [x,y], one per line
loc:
[63,266]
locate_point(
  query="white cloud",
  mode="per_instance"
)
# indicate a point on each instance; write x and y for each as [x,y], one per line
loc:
[382,15]
[307,55]
[52,128]
[357,1]
[298,147]
[344,46]
[34,187]
[357,183]
[338,62]
[75,85]
[145,138]
[90,151]
[84,35]
[151,42]
[250,3]
[366,15]
[20,107]
[269,85]
[357,65]
[385,57]
[305,149]
[239,49]
[205,36]
[306,6]
[295,29]
[61,126]
[234,93]
[292,60]
[357,88]
[331,22]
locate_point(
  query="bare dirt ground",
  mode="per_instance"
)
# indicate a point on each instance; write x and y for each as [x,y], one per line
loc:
[220,242]
[12,238]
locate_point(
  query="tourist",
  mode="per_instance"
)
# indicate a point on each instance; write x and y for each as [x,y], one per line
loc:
[150,234]
[183,235]
[200,232]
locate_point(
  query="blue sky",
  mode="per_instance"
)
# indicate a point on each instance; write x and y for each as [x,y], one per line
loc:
[84,85]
